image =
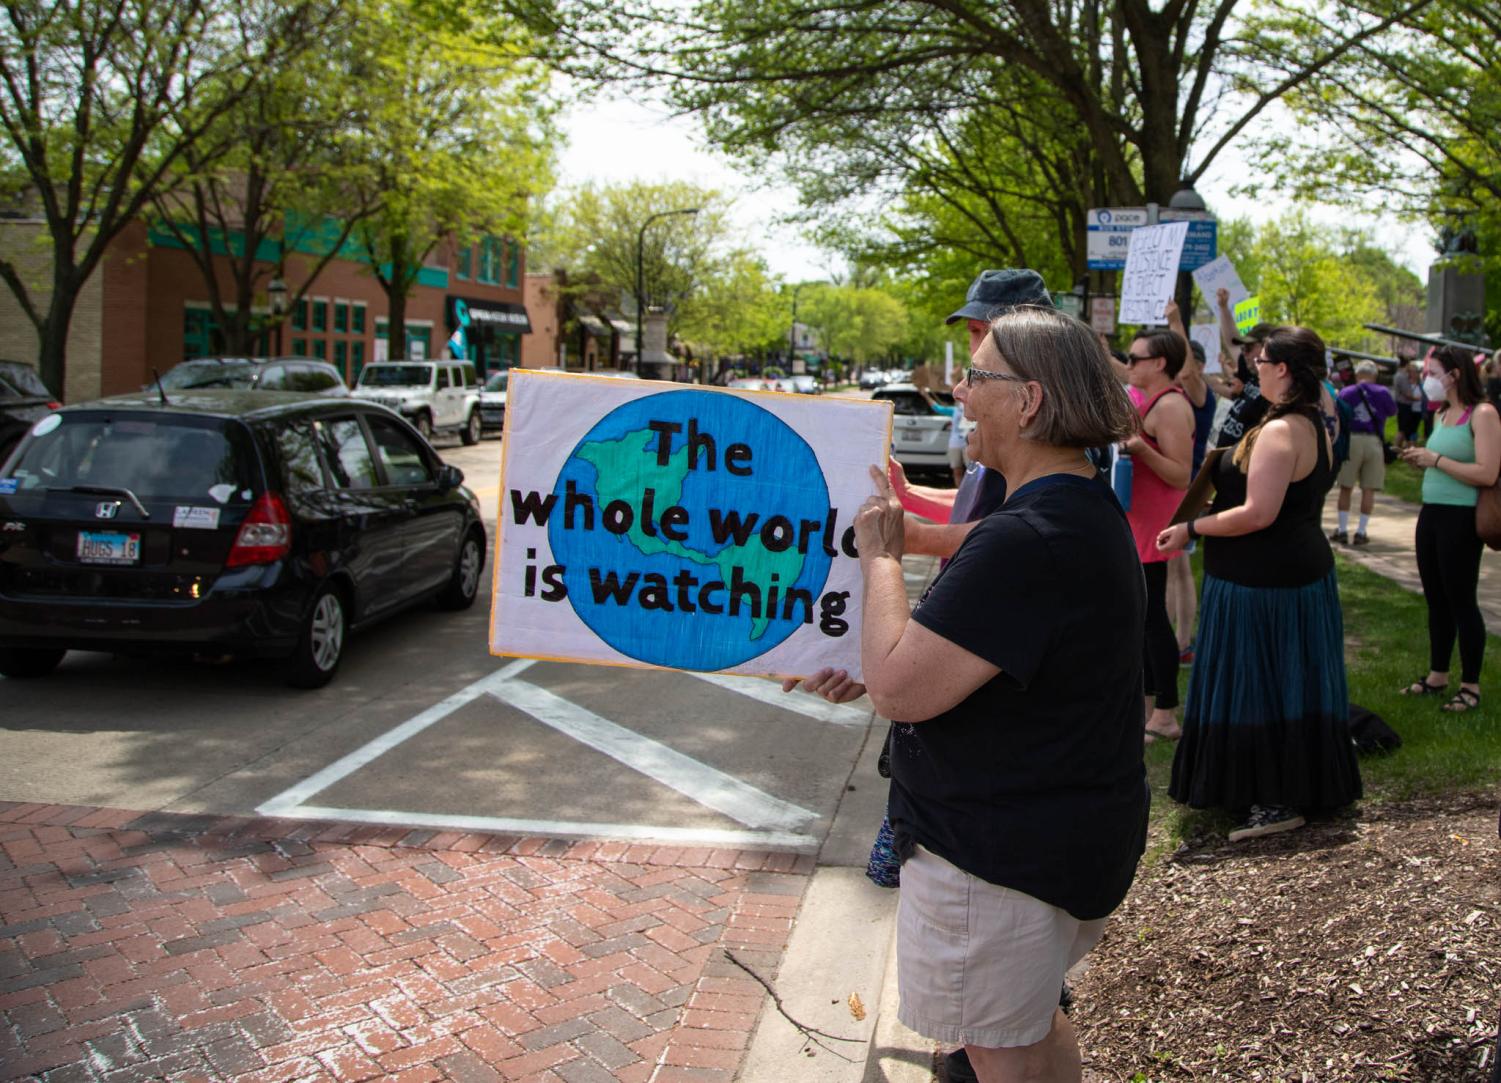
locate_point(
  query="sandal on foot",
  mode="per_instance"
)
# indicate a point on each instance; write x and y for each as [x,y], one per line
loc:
[1164,735]
[1421,687]
[1462,701]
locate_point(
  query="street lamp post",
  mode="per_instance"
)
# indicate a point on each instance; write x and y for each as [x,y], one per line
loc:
[1186,199]
[641,272]
[276,293]
[792,334]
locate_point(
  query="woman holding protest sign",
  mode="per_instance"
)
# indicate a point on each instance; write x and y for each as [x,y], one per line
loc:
[1266,725]
[1018,795]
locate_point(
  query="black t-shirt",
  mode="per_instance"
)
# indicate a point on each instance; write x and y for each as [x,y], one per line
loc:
[1035,782]
[1245,413]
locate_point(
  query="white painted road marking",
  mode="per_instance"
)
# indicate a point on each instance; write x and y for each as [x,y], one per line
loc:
[773,822]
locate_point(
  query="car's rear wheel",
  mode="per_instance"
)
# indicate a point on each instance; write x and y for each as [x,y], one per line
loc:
[463,588]
[22,663]
[320,647]
[473,429]
[424,423]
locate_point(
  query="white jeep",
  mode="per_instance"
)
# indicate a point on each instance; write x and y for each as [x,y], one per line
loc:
[435,396]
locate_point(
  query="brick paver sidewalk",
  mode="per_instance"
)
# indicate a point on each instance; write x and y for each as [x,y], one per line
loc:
[174,947]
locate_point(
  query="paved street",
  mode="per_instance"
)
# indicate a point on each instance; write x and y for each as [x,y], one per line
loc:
[199,878]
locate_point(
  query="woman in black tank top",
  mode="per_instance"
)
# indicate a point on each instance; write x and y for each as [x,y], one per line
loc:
[1265,730]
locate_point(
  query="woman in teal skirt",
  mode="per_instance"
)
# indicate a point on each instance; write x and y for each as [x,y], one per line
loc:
[1266,726]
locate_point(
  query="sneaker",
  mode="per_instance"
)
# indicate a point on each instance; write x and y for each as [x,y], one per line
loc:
[1360,539]
[1267,820]
[1341,536]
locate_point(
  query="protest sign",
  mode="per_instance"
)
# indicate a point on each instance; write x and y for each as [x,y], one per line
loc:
[1151,272]
[1207,335]
[1247,314]
[1221,273]
[671,526]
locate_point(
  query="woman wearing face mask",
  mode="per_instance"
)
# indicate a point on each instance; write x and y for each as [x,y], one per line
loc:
[1460,458]
[1266,727]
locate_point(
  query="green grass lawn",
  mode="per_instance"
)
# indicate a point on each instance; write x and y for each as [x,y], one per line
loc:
[1386,648]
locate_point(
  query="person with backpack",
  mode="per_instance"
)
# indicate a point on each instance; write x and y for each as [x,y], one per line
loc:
[1370,405]
[1461,457]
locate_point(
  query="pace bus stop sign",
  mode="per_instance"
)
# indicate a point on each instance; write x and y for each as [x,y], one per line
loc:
[1109,236]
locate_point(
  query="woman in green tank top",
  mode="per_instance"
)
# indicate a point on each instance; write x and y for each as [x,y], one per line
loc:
[1461,457]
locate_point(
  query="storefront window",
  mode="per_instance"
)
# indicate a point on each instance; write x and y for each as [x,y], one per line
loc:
[320,349]
[299,347]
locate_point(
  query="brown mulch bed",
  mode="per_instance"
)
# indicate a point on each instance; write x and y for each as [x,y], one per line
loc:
[1358,949]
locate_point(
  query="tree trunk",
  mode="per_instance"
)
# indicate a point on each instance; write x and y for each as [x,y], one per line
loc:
[396,313]
[52,357]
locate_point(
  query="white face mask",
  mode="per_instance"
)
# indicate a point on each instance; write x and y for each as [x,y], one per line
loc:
[1434,388]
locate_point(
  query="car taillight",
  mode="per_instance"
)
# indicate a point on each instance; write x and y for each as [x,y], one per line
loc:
[265,535]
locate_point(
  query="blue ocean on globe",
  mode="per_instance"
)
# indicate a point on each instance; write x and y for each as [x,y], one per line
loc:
[658,592]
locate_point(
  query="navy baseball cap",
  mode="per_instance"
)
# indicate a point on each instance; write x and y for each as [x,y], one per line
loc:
[994,292]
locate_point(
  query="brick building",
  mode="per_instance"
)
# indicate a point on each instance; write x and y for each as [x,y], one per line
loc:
[147,307]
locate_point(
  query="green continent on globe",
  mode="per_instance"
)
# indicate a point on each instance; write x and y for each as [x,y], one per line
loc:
[624,469]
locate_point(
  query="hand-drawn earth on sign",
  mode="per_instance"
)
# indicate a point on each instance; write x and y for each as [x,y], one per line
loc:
[756,528]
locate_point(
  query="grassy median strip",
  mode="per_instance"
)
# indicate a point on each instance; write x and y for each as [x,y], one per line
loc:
[1386,648]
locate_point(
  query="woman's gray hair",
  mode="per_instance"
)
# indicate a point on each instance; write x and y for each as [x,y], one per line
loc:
[1366,368]
[1083,404]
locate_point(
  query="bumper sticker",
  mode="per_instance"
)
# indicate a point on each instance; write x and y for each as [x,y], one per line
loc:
[194,518]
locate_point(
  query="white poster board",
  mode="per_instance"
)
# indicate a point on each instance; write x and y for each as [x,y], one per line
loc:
[660,525]
[1151,272]
[1220,273]
[1207,335]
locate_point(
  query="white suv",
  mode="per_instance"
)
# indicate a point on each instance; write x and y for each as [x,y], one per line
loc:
[435,396]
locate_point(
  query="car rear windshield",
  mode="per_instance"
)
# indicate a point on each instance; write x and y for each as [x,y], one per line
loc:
[161,458]
[201,374]
[396,376]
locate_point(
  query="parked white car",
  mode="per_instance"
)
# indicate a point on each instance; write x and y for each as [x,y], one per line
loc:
[435,396]
[492,400]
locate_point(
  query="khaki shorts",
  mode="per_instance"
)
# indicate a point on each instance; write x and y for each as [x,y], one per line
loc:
[979,964]
[956,457]
[1366,465]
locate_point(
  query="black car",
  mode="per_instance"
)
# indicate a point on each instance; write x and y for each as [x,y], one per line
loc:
[243,522]
[304,374]
[24,400]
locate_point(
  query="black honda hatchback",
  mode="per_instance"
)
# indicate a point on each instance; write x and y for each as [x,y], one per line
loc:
[241,522]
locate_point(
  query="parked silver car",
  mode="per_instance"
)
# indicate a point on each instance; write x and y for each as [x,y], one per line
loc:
[920,430]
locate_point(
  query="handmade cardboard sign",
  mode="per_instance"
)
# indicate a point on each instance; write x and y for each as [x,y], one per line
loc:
[681,527]
[1151,272]
[1207,335]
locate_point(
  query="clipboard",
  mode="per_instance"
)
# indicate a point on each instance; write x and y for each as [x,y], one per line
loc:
[1197,496]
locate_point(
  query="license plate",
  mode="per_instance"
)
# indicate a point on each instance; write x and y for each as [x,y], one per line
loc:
[108,547]
[912,436]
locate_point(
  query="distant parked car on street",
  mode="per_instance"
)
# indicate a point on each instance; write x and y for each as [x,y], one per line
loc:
[305,374]
[435,396]
[751,383]
[24,400]
[244,522]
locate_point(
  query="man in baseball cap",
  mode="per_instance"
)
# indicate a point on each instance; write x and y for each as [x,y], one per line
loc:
[996,292]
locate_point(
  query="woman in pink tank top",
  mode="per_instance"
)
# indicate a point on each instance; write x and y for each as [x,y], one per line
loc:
[1162,456]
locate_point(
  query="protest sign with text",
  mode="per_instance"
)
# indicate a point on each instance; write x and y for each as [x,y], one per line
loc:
[1247,314]
[1221,273]
[672,526]
[1151,272]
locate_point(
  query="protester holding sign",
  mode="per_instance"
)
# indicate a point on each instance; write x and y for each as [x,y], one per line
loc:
[1266,726]
[1018,794]
[1249,407]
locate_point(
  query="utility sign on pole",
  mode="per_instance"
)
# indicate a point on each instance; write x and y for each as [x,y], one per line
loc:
[1109,235]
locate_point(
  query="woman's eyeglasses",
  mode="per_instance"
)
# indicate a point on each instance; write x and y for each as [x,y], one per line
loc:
[973,374]
[1132,358]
